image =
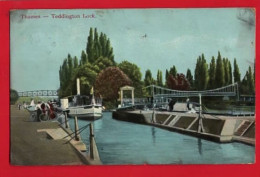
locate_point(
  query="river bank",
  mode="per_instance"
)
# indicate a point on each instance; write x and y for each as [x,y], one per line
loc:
[43,143]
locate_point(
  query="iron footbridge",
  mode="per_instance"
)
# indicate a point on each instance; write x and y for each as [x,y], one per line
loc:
[36,93]
[159,92]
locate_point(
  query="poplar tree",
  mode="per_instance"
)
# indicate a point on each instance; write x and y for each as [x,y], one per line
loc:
[148,79]
[226,71]
[97,46]
[90,46]
[204,73]
[75,62]
[83,57]
[189,77]
[236,72]
[159,78]
[220,79]
[212,73]
[173,71]
[201,73]
[250,81]
[197,74]
[230,73]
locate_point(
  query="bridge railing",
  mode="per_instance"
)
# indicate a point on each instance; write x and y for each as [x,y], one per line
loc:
[157,91]
[38,93]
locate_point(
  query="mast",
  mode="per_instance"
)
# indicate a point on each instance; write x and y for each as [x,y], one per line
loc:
[78,86]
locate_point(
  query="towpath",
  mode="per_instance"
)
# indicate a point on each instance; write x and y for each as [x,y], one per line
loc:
[31,147]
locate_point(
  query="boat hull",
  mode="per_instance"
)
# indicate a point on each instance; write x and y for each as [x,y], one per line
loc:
[86,113]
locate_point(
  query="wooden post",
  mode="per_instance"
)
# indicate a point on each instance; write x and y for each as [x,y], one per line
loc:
[133,97]
[66,120]
[200,121]
[91,137]
[121,97]
[76,128]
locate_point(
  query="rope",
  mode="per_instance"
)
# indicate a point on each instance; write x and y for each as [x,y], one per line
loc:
[78,132]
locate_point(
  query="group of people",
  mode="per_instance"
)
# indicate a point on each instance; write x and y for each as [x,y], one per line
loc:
[20,105]
[45,111]
[172,103]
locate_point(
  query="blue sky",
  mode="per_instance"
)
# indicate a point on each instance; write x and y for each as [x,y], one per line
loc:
[174,37]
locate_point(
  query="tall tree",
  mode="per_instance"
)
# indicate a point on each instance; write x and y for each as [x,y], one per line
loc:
[166,76]
[220,77]
[226,71]
[212,73]
[90,46]
[201,73]
[173,71]
[75,62]
[189,77]
[83,57]
[197,75]
[236,72]
[148,79]
[159,78]
[230,73]
[97,47]
[250,81]
[204,73]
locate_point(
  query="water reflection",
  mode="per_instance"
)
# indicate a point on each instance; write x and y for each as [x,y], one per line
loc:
[200,146]
[153,135]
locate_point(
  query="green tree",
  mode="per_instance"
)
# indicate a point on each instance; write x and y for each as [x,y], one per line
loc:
[220,77]
[90,46]
[87,74]
[173,71]
[236,72]
[134,74]
[98,46]
[228,77]
[201,73]
[13,96]
[148,78]
[204,73]
[212,73]
[230,73]
[70,65]
[159,78]
[250,81]
[103,62]
[166,76]
[189,77]
[197,74]
[83,57]
[247,85]
[75,62]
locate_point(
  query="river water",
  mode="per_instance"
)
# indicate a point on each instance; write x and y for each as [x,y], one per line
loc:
[122,142]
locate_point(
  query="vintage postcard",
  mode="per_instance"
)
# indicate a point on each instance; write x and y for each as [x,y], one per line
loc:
[132,86]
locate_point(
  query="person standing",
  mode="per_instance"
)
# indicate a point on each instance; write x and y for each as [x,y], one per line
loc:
[188,103]
[38,110]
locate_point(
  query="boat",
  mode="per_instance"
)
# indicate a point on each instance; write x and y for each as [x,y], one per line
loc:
[82,106]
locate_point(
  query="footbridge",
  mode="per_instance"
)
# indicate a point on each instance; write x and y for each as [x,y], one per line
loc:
[36,93]
[159,92]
